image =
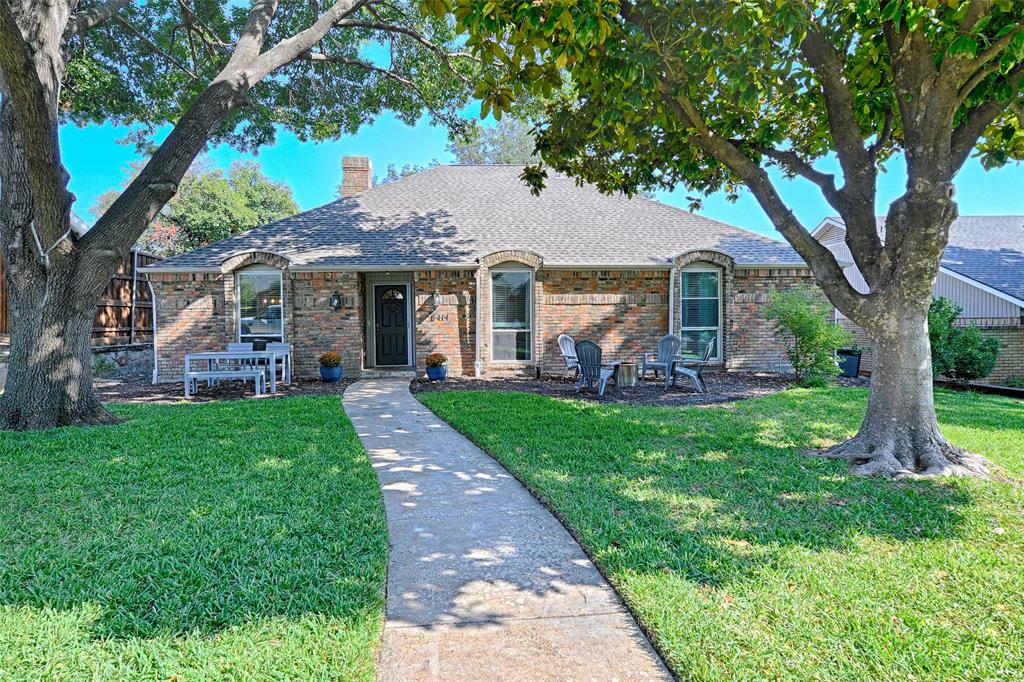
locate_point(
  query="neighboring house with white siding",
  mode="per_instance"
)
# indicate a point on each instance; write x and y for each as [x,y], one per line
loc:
[982,271]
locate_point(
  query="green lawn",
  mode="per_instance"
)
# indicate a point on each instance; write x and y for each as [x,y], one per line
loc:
[748,560]
[232,540]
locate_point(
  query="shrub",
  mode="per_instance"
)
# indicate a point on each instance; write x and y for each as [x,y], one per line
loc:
[330,359]
[800,317]
[1014,382]
[961,354]
[436,360]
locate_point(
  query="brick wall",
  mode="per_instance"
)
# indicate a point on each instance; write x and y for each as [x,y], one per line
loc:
[450,327]
[625,311]
[316,327]
[1009,331]
[190,316]
[752,344]
[1011,351]
[195,312]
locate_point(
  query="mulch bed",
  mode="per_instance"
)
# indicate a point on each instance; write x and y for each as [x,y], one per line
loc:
[722,387]
[138,390]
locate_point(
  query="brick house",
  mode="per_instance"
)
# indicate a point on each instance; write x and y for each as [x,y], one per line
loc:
[982,271]
[466,261]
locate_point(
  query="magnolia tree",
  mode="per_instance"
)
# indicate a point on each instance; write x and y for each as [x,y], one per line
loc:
[710,94]
[209,71]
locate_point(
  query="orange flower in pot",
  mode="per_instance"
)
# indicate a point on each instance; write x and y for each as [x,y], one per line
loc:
[437,367]
[330,367]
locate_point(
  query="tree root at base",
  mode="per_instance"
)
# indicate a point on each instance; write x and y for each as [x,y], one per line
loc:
[93,414]
[885,457]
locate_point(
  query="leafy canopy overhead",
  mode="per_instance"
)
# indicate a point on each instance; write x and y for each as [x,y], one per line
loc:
[151,61]
[744,66]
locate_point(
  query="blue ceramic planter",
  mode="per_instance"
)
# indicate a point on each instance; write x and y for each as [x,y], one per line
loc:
[437,373]
[331,375]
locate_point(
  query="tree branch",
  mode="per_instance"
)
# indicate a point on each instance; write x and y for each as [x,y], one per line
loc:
[127,218]
[289,49]
[445,56]
[823,263]
[167,56]
[965,136]
[858,163]
[883,136]
[94,16]
[387,73]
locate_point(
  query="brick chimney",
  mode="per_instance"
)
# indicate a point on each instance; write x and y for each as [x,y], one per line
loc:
[356,175]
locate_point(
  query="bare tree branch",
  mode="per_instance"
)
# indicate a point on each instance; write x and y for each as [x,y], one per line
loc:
[387,73]
[289,49]
[123,222]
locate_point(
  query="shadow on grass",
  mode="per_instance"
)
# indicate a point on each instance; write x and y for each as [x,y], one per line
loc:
[708,493]
[191,519]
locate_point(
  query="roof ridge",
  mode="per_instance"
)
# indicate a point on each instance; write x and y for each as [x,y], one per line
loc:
[713,220]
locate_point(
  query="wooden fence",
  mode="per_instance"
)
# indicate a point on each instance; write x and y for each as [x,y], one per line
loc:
[124,312]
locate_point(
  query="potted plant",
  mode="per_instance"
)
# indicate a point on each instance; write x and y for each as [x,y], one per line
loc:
[330,367]
[437,367]
[849,360]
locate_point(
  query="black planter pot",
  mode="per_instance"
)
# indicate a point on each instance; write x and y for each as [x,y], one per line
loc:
[849,362]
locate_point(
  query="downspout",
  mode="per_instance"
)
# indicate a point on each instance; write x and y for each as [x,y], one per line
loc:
[476,335]
[152,297]
[671,298]
[131,308]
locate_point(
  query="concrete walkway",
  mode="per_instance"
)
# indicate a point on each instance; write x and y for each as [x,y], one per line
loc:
[483,582]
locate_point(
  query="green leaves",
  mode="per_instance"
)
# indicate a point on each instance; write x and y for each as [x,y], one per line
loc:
[963,45]
[147,70]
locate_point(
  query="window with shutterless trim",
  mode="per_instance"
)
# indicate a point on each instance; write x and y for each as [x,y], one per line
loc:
[700,311]
[511,315]
[260,308]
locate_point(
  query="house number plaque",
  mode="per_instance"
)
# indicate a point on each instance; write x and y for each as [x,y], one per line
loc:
[439,317]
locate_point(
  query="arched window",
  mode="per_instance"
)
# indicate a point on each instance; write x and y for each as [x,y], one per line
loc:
[700,309]
[511,315]
[259,292]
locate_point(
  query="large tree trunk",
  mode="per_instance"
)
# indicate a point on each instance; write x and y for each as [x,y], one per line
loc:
[900,435]
[49,379]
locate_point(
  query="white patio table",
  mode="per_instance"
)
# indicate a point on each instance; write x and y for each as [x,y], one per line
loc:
[256,356]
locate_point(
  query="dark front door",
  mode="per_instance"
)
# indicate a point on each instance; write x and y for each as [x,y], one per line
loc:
[390,309]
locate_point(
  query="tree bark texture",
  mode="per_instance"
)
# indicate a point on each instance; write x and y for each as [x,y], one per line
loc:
[900,435]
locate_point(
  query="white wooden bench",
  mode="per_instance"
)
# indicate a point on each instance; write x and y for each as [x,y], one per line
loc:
[257,374]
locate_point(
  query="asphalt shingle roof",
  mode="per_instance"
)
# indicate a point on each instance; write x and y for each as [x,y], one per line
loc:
[452,215]
[986,248]
[990,250]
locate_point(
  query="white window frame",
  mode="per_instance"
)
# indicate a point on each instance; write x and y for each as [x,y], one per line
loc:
[238,298]
[533,315]
[717,357]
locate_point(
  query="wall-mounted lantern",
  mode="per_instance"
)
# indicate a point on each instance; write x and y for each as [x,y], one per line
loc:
[436,298]
[336,301]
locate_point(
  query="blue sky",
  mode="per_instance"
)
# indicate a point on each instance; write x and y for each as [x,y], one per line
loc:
[96,163]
